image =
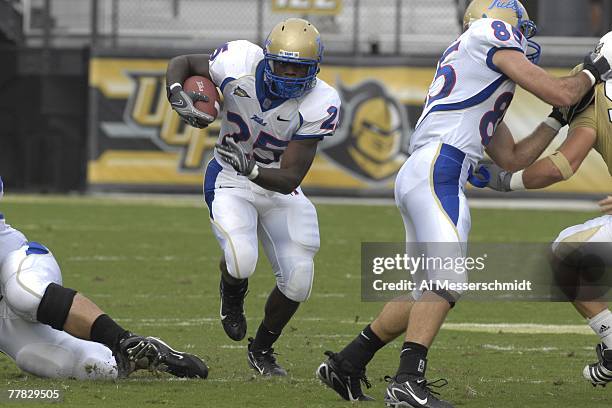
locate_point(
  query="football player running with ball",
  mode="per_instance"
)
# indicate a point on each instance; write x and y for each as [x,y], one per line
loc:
[463,115]
[590,129]
[275,112]
[54,332]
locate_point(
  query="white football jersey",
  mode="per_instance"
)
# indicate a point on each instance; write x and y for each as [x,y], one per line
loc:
[264,126]
[469,96]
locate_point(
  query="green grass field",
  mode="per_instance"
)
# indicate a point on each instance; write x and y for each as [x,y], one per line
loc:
[153,265]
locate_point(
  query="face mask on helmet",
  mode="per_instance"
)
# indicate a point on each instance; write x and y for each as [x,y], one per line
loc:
[529,30]
[292,54]
[285,86]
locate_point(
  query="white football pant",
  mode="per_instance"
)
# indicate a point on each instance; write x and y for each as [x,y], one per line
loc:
[429,192]
[35,347]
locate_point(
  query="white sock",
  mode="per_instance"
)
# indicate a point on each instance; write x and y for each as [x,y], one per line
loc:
[602,326]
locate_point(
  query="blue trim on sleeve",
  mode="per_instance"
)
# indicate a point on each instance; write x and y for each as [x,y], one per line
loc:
[35,248]
[225,82]
[492,52]
[212,171]
[473,101]
[304,137]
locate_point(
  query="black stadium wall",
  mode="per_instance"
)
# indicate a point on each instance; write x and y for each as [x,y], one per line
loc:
[43,118]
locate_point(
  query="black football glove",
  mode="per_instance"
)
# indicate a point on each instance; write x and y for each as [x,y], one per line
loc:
[235,156]
[565,114]
[182,103]
[598,66]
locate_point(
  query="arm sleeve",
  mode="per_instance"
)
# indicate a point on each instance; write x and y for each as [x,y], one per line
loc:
[319,114]
[233,60]
[489,36]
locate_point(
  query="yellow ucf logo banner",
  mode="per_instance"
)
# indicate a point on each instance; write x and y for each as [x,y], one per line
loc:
[137,140]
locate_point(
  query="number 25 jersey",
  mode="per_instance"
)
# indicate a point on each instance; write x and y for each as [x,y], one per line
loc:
[469,95]
[261,125]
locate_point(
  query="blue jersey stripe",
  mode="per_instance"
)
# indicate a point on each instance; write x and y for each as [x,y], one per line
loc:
[304,137]
[473,101]
[446,175]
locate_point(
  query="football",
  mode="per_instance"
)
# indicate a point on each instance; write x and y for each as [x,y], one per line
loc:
[204,86]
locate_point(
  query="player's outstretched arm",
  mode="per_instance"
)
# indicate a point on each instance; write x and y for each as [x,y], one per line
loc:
[512,156]
[572,152]
[564,91]
[295,163]
[549,170]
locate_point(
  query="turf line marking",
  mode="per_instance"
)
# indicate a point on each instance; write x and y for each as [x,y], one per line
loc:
[519,328]
[512,328]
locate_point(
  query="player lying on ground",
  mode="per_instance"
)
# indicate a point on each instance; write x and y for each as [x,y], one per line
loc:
[590,129]
[54,332]
[275,112]
[463,114]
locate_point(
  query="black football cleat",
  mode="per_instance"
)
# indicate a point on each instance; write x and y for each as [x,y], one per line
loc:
[339,375]
[177,363]
[264,362]
[600,373]
[132,353]
[415,392]
[232,311]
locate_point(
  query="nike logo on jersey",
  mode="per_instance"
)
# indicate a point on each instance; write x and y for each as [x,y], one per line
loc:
[178,103]
[258,120]
[282,120]
[241,92]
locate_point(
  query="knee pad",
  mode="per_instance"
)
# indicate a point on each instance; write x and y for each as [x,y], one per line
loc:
[55,305]
[241,259]
[297,284]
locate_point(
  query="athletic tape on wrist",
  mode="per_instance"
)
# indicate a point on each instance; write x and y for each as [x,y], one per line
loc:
[516,181]
[591,76]
[561,162]
[553,123]
[254,173]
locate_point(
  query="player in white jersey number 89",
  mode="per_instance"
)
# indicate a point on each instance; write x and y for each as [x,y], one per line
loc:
[463,115]
[275,112]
